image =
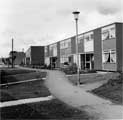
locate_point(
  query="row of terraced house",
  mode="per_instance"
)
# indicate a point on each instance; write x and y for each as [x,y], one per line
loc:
[99,49]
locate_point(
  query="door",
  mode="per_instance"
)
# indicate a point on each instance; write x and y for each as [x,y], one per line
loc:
[87,61]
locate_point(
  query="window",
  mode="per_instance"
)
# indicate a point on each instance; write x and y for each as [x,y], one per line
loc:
[113,57]
[105,35]
[65,47]
[109,57]
[63,59]
[80,38]
[92,36]
[108,32]
[53,49]
[112,32]
[89,36]
[106,57]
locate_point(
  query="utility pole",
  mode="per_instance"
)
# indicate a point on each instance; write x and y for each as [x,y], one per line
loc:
[12,54]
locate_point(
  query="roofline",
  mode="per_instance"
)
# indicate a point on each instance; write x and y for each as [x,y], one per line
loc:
[85,32]
[32,46]
[36,46]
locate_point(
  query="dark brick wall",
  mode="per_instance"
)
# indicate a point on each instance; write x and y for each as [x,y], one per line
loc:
[119,46]
[73,45]
[47,53]
[58,54]
[97,49]
[37,55]
[81,46]
[48,50]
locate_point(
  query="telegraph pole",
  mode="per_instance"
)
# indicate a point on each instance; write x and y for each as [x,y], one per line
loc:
[12,54]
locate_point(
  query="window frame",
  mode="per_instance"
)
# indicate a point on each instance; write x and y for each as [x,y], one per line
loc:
[109,52]
[109,30]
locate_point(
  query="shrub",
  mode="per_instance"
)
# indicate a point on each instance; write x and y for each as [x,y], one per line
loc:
[70,69]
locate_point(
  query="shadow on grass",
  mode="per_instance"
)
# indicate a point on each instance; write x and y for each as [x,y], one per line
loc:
[53,109]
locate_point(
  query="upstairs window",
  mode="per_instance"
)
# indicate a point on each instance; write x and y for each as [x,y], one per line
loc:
[89,36]
[108,32]
[80,38]
[105,35]
[112,32]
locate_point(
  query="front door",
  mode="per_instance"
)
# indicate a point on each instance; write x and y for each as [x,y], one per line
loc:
[87,61]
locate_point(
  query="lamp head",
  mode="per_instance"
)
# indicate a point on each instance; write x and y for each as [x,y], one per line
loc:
[76,15]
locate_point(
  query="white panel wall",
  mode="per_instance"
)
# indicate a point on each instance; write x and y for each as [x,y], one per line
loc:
[75,60]
[88,42]
[55,50]
[89,46]
[47,60]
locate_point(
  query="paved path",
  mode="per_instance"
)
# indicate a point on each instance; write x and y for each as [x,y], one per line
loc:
[25,101]
[99,108]
[75,96]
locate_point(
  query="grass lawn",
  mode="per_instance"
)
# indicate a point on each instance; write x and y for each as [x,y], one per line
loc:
[112,90]
[14,75]
[53,109]
[93,77]
[24,90]
[14,71]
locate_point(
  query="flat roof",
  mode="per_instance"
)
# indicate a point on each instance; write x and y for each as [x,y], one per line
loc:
[85,32]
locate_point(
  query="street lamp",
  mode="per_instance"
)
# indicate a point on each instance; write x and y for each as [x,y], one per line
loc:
[76,16]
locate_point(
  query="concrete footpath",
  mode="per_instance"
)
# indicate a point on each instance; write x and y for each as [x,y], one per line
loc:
[77,96]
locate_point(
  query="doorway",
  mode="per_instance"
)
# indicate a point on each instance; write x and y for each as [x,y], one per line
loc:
[87,61]
[53,62]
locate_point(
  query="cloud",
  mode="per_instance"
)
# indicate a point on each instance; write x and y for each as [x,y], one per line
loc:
[109,7]
[41,22]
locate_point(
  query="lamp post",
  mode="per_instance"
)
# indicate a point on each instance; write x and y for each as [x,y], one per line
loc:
[76,16]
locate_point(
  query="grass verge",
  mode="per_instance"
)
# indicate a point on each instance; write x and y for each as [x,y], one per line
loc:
[93,77]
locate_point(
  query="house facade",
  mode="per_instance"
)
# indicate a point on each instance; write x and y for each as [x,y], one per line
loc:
[18,57]
[99,49]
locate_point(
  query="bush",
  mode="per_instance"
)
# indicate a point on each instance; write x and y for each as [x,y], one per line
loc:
[70,69]
[87,71]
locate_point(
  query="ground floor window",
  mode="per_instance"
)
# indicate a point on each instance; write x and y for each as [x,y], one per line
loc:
[63,59]
[109,56]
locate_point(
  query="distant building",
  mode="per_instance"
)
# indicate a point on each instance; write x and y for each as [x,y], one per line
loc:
[18,57]
[99,49]
[35,55]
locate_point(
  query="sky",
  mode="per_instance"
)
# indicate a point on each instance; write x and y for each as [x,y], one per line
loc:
[42,22]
